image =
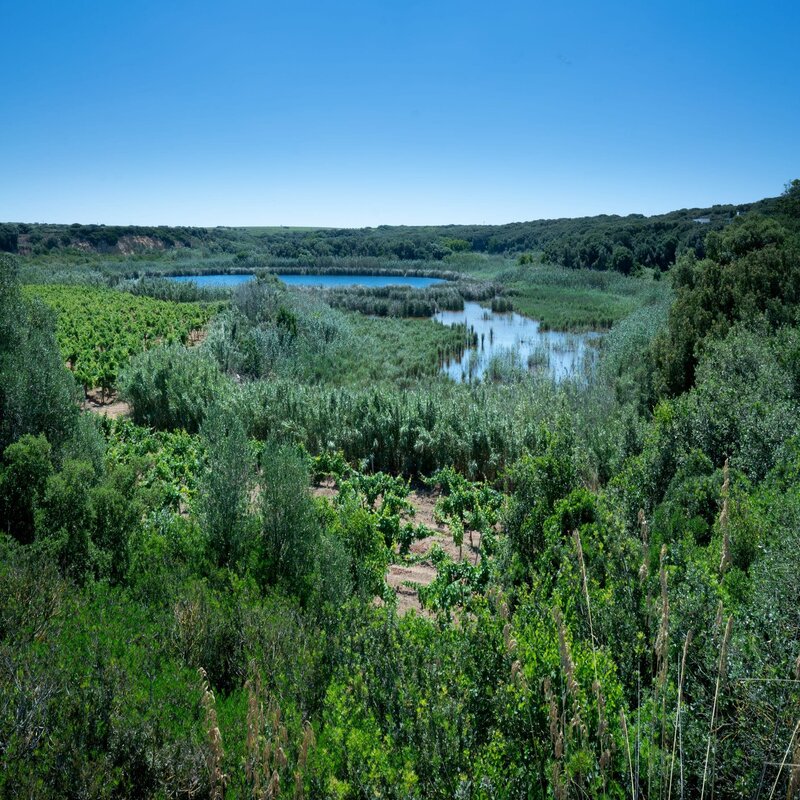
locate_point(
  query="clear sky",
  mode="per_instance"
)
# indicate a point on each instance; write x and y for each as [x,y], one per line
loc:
[367,113]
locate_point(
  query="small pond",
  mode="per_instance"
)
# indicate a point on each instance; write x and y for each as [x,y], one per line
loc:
[517,338]
[316,280]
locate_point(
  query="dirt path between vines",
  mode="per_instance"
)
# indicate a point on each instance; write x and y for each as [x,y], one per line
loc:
[402,577]
[113,407]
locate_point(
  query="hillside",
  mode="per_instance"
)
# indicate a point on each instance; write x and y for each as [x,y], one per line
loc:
[601,242]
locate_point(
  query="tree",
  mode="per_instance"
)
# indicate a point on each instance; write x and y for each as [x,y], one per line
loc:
[22,483]
[290,530]
[116,512]
[171,387]
[622,260]
[65,519]
[538,482]
[37,392]
[754,271]
[225,490]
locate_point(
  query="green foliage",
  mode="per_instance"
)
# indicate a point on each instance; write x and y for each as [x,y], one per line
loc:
[753,275]
[168,463]
[26,466]
[93,700]
[276,332]
[37,394]
[455,584]
[405,301]
[393,494]
[226,487]
[171,387]
[329,464]
[479,430]
[588,242]
[65,518]
[550,666]
[98,330]
[117,512]
[466,506]
[572,299]
[290,529]
[538,482]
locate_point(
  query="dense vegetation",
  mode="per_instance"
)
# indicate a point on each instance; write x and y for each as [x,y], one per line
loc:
[403,301]
[98,330]
[181,616]
[603,242]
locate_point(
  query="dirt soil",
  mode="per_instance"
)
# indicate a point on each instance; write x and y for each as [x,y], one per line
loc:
[196,337]
[423,572]
[112,407]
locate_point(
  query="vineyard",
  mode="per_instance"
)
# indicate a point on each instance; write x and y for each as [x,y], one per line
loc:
[98,330]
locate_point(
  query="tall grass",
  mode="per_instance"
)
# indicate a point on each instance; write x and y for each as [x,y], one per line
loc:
[565,299]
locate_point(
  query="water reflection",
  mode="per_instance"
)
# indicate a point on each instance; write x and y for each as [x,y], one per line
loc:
[509,339]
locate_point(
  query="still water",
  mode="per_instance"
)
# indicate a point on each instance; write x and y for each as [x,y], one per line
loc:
[508,337]
[517,339]
[316,280]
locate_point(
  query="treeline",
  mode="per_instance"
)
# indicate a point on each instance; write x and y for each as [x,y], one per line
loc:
[41,238]
[602,242]
[618,243]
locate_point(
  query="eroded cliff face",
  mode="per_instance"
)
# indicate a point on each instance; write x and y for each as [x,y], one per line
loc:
[27,239]
[135,244]
[125,245]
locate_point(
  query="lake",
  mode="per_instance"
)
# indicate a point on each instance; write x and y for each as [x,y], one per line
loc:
[316,280]
[512,336]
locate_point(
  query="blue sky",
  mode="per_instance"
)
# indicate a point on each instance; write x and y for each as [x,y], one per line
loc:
[369,113]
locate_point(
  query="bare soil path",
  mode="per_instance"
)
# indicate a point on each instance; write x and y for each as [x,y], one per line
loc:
[111,407]
[403,576]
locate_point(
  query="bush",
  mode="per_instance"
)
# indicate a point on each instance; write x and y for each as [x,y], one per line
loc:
[171,387]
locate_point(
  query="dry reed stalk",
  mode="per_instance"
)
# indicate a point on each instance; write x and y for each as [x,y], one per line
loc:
[274,788]
[662,664]
[662,640]
[785,757]
[255,720]
[557,738]
[602,725]
[215,754]
[644,570]
[718,618]
[794,776]
[628,748]
[567,664]
[677,738]
[267,745]
[308,742]
[518,676]
[509,641]
[723,653]
[576,537]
